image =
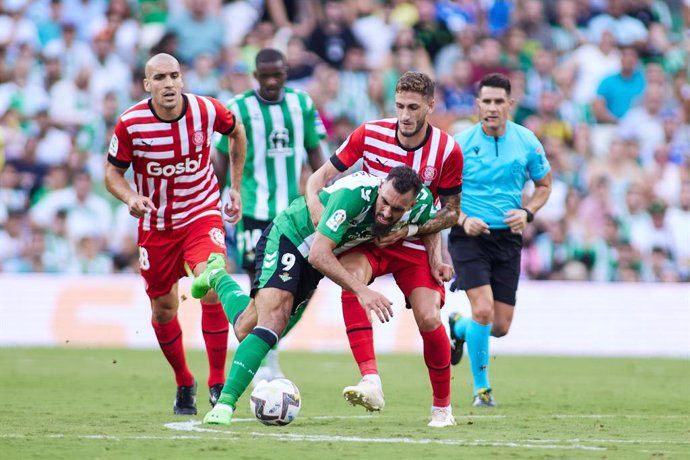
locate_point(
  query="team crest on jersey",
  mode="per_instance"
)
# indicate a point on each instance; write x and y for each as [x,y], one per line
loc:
[112,149]
[285,276]
[336,219]
[198,138]
[279,143]
[429,173]
[217,236]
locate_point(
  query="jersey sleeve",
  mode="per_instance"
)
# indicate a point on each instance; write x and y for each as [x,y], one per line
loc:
[343,205]
[225,120]
[220,141]
[120,150]
[424,210]
[314,130]
[450,182]
[537,164]
[350,151]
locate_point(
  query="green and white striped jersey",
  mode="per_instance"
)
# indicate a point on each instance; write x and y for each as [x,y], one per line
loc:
[349,214]
[278,136]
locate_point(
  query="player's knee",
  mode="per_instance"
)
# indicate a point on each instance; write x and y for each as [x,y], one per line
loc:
[483,313]
[499,329]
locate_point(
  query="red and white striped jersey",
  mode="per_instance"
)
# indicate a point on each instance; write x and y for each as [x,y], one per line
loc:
[171,159]
[438,159]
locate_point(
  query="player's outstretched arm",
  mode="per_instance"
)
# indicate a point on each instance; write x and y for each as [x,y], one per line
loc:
[322,258]
[316,182]
[118,186]
[237,152]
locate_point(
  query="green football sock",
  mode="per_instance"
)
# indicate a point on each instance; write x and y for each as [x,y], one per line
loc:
[246,361]
[232,297]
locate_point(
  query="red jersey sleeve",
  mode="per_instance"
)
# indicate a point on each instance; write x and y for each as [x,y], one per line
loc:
[350,151]
[450,182]
[120,149]
[225,119]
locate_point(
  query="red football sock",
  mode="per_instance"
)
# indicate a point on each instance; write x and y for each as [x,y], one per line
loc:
[214,326]
[169,337]
[359,333]
[437,359]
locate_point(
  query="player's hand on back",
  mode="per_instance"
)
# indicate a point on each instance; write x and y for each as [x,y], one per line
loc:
[233,208]
[139,205]
[375,303]
[391,237]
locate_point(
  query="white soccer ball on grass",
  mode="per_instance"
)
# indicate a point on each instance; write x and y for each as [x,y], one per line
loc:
[275,402]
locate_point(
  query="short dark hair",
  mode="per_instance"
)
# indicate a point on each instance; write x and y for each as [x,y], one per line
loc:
[269,55]
[416,82]
[495,80]
[404,179]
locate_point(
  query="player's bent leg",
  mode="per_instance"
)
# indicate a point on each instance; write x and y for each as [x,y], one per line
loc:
[273,308]
[359,331]
[426,306]
[503,318]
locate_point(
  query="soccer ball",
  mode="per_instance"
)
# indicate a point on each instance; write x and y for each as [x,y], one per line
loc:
[275,402]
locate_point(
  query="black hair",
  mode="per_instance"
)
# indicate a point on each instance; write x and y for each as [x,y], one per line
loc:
[405,179]
[495,80]
[269,55]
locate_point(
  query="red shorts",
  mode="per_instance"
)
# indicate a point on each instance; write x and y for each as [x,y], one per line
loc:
[162,254]
[409,266]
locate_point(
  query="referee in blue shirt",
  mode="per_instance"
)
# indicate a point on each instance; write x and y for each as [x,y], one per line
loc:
[500,156]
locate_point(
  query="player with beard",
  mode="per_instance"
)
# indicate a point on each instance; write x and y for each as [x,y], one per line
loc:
[292,257]
[408,139]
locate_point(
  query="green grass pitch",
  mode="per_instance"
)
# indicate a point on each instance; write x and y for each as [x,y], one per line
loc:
[66,403]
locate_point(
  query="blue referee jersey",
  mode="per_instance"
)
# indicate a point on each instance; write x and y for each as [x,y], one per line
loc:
[496,169]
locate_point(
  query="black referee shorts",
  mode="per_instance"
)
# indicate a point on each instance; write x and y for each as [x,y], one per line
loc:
[487,259]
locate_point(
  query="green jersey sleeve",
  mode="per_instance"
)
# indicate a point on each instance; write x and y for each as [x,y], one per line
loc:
[344,205]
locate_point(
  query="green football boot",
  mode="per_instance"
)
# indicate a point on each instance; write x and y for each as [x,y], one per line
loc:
[202,283]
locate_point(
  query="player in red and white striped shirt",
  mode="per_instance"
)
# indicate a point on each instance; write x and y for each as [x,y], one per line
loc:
[167,139]
[408,140]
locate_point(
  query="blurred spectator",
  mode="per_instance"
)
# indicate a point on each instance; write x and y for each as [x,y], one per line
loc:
[565,33]
[532,20]
[203,78]
[617,92]
[198,30]
[678,222]
[463,48]
[644,124]
[431,33]
[627,30]
[375,30]
[301,63]
[458,95]
[332,36]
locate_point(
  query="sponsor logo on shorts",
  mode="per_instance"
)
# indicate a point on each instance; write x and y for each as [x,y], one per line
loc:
[285,276]
[217,236]
[270,259]
[336,219]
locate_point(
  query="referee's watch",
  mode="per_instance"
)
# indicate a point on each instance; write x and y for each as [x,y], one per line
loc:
[530,215]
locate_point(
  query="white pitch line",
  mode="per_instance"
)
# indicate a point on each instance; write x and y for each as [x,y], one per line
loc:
[193,425]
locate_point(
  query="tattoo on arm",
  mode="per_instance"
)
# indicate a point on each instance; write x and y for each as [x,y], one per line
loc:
[445,218]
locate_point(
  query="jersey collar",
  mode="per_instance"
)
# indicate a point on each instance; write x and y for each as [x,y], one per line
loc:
[426,138]
[185,104]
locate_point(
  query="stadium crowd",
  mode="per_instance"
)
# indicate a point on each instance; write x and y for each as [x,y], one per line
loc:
[605,84]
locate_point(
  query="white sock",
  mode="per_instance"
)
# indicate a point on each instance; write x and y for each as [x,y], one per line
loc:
[373,378]
[448,408]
